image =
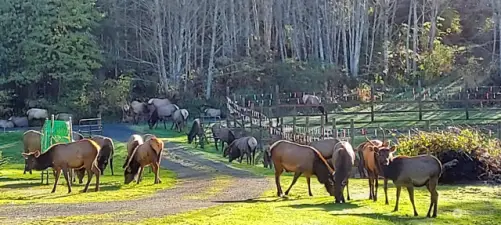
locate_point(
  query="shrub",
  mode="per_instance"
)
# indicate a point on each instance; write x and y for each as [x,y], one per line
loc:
[478,156]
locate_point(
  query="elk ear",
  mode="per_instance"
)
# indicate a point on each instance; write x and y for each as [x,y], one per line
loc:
[393,149]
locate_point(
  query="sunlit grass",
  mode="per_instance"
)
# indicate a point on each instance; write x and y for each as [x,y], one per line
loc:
[107,218]
[470,204]
[19,188]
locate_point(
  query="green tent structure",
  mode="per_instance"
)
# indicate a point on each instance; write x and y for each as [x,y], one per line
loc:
[55,132]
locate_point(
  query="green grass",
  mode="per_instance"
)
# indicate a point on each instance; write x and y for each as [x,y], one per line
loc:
[19,188]
[459,204]
[107,218]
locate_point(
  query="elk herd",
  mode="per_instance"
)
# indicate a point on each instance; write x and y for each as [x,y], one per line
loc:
[91,155]
[332,160]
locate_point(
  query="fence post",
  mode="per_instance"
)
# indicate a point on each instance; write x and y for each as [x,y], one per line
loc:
[372,101]
[428,126]
[228,91]
[307,128]
[243,119]
[334,129]
[322,128]
[352,131]
[252,118]
[261,124]
[294,128]
[420,103]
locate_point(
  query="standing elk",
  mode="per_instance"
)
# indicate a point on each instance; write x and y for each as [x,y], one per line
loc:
[75,155]
[410,172]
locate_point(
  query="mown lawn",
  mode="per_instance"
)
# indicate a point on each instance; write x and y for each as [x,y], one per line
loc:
[458,204]
[19,188]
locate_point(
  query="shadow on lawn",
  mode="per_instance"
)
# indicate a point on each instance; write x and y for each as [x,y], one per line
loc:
[328,206]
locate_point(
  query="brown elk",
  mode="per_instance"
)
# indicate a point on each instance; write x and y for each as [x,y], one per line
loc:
[368,161]
[148,153]
[343,158]
[75,155]
[300,159]
[31,142]
[105,156]
[410,172]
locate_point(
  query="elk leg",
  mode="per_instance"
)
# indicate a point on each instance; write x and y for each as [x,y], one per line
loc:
[309,187]
[398,198]
[67,174]
[111,166]
[58,172]
[432,188]
[411,196]
[278,172]
[155,169]
[215,143]
[376,181]
[296,176]
[385,186]
[140,175]
[371,185]
[165,126]
[90,172]
[96,171]
[347,190]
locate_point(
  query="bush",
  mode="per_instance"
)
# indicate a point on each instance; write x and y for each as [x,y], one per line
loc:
[478,156]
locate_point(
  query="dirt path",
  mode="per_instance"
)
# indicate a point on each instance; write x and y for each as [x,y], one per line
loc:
[195,175]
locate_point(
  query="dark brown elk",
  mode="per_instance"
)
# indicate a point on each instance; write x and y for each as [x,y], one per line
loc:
[300,159]
[105,156]
[75,155]
[148,153]
[132,143]
[240,147]
[410,172]
[343,159]
[31,143]
[196,130]
[223,134]
[366,152]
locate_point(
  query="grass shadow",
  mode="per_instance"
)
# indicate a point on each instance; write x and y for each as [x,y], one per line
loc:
[384,216]
[21,185]
[251,200]
[330,206]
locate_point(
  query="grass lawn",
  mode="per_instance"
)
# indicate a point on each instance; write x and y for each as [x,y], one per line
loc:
[19,188]
[459,204]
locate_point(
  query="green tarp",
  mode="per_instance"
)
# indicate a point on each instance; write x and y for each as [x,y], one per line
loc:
[54,132]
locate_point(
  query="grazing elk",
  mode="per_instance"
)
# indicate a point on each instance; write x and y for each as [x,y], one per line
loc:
[223,134]
[148,153]
[196,130]
[343,159]
[240,147]
[132,143]
[410,172]
[300,159]
[75,155]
